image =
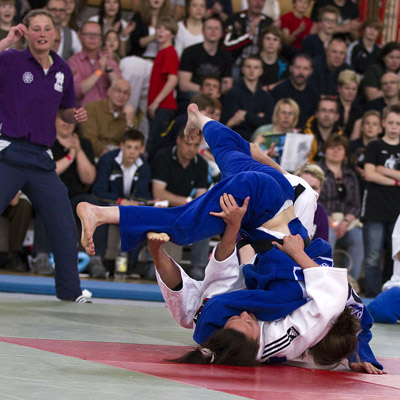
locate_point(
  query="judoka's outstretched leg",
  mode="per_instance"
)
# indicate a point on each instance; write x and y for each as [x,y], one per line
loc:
[231,152]
[191,222]
[91,217]
[169,272]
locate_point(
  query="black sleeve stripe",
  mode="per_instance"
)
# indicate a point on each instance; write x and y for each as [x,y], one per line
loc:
[279,344]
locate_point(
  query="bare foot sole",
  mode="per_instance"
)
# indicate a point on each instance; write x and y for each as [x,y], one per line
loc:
[192,129]
[86,214]
[155,241]
[158,237]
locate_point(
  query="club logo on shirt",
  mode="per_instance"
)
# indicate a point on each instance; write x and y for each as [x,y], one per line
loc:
[292,333]
[59,82]
[27,77]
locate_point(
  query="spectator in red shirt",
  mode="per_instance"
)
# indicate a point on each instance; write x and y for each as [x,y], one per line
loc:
[295,25]
[164,78]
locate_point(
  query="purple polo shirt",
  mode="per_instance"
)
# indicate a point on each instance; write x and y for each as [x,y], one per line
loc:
[29,99]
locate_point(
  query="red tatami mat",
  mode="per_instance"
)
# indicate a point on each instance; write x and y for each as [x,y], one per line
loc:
[264,382]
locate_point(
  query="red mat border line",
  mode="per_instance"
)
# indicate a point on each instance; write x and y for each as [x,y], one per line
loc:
[134,366]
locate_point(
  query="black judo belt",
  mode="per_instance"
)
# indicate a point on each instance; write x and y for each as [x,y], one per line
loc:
[266,244]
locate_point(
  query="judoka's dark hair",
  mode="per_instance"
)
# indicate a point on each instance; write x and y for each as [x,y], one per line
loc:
[224,347]
[339,343]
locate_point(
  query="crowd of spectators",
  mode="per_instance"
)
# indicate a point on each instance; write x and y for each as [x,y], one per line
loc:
[318,70]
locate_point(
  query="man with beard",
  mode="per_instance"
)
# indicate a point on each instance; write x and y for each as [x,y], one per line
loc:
[322,125]
[299,88]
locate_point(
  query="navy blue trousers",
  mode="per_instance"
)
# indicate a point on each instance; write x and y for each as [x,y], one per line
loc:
[27,167]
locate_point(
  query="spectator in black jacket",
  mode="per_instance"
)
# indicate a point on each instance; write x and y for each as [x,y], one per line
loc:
[365,51]
[243,30]
[247,105]
[123,178]
[299,87]
[328,67]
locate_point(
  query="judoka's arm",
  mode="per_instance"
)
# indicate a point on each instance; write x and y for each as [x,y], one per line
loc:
[363,359]
[181,293]
[232,215]
[293,246]
[168,270]
[223,273]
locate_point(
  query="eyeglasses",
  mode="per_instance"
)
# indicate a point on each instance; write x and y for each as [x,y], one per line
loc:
[390,83]
[59,10]
[331,20]
[289,113]
[120,91]
[91,34]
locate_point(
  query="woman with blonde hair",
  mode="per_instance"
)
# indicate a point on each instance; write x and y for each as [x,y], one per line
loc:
[284,119]
[349,108]
[315,177]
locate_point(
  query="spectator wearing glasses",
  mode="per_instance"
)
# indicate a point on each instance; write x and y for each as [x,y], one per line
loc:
[348,22]
[390,86]
[340,196]
[109,118]
[69,41]
[93,71]
[315,44]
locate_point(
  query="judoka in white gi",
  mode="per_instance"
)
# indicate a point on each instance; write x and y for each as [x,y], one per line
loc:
[274,211]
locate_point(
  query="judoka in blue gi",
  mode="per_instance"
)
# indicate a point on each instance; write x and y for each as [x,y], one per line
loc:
[273,271]
[275,281]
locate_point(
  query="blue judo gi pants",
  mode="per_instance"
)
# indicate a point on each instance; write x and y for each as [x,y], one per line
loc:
[28,167]
[243,177]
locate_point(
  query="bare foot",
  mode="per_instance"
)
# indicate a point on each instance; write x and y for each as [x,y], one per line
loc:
[155,240]
[193,129]
[87,214]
